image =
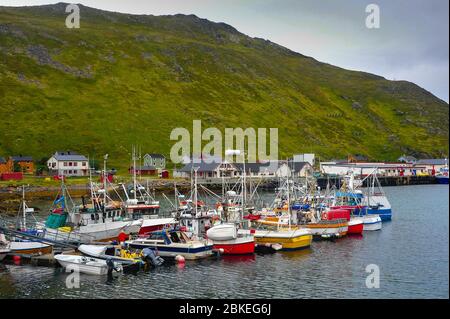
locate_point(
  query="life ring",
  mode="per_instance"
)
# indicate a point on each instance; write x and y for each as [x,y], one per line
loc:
[325,215]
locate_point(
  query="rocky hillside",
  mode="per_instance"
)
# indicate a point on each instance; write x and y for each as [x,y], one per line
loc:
[126,79]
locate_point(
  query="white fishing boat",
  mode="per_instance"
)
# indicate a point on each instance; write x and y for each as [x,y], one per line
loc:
[371,222]
[86,265]
[23,245]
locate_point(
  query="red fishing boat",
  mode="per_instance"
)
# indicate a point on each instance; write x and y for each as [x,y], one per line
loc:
[231,240]
[355,224]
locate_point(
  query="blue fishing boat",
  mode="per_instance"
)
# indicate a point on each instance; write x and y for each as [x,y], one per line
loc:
[442,179]
[173,242]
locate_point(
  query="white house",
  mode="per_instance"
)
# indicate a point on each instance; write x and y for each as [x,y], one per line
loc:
[68,164]
[310,158]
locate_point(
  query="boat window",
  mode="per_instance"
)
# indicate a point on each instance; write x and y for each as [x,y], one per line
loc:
[110,251]
[156,236]
[175,238]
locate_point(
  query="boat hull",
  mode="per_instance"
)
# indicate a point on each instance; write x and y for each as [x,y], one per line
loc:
[289,240]
[155,224]
[385,214]
[327,229]
[442,179]
[238,246]
[29,248]
[355,226]
[86,265]
[189,253]
[372,223]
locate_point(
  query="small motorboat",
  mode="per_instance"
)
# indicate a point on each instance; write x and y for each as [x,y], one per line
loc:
[173,242]
[86,265]
[116,253]
[288,239]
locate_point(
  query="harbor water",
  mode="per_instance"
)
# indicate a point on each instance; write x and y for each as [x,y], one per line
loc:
[411,252]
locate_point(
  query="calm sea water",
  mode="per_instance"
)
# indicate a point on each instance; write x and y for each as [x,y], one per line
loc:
[411,252]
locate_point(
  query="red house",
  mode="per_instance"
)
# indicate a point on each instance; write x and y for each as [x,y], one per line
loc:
[143,170]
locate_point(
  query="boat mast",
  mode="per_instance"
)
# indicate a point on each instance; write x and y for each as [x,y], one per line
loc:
[289,197]
[134,172]
[104,182]
[195,191]
[24,208]
[244,186]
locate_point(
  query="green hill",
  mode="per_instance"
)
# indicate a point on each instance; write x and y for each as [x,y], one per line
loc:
[126,79]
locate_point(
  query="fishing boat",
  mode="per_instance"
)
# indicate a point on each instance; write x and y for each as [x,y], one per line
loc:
[140,204]
[355,224]
[231,240]
[279,230]
[173,242]
[229,235]
[86,265]
[22,245]
[371,222]
[288,239]
[328,228]
[442,176]
[101,220]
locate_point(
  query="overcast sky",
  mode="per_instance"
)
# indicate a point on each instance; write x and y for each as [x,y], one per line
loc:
[411,44]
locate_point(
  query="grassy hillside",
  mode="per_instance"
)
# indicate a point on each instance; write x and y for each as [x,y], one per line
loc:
[123,79]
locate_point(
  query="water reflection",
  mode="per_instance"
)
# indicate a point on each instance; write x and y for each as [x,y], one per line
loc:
[326,270]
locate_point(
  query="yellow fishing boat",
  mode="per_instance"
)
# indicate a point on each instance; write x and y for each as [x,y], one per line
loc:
[289,238]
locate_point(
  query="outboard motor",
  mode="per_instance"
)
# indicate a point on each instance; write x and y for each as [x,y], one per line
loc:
[150,256]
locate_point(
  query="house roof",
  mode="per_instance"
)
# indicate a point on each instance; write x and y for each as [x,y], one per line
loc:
[432,161]
[2,160]
[297,166]
[155,155]
[69,157]
[200,167]
[268,167]
[144,168]
[21,158]
[409,159]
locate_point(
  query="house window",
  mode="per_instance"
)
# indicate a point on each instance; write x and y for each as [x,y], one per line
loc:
[65,163]
[70,163]
[75,164]
[84,164]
